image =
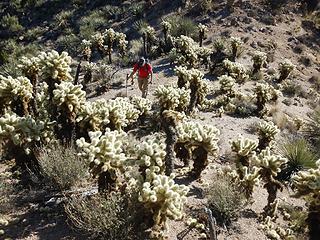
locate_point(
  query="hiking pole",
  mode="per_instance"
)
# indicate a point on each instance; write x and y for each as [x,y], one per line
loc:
[127,85]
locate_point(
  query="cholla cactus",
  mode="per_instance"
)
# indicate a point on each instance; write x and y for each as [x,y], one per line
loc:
[121,113]
[151,153]
[236,70]
[171,98]
[166,28]
[285,68]
[15,90]
[307,185]
[142,104]
[98,41]
[186,51]
[86,51]
[226,84]
[270,167]
[106,156]
[89,67]
[267,132]
[249,179]
[122,43]
[94,116]
[276,232]
[259,59]
[69,97]
[202,29]
[193,79]
[264,93]
[55,66]
[24,131]
[201,140]
[236,44]
[244,149]
[30,67]
[109,37]
[164,198]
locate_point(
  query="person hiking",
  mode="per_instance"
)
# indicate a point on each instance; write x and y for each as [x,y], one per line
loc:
[144,74]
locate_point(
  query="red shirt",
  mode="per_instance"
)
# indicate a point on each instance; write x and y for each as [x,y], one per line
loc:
[143,71]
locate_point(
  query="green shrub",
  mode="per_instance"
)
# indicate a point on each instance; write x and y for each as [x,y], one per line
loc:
[300,157]
[91,23]
[114,216]
[182,26]
[62,167]
[11,23]
[69,43]
[63,18]
[312,129]
[225,200]
[291,89]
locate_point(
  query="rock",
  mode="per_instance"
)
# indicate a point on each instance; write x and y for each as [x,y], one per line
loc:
[253,44]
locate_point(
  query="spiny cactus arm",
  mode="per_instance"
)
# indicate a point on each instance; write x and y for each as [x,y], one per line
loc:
[104,151]
[165,198]
[267,160]
[69,95]
[199,135]
[55,66]
[151,153]
[171,98]
[308,184]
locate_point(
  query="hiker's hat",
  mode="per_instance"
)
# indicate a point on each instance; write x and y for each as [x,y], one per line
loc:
[142,61]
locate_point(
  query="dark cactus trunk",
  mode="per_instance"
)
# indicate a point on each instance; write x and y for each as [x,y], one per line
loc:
[201,37]
[106,183]
[182,153]
[313,222]
[200,158]
[193,96]
[76,78]
[168,123]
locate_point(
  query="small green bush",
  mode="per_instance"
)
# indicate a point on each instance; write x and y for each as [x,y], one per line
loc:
[61,167]
[182,26]
[89,24]
[114,216]
[225,200]
[11,23]
[300,157]
[312,129]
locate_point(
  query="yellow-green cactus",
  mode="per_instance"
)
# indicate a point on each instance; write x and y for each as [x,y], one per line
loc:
[236,70]
[226,84]
[94,116]
[142,104]
[70,96]
[55,66]
[275,232]
[285,68]
[270,165]
[164,198]
[151,153]
[171,98]
[236,44]
[259,59]
[200,140]
[121,112]
[13,89]
[267,132]
[106,156]
[23,131]
[307,185]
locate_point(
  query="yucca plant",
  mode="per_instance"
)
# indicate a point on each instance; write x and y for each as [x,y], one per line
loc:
[312,129]
[300,157]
